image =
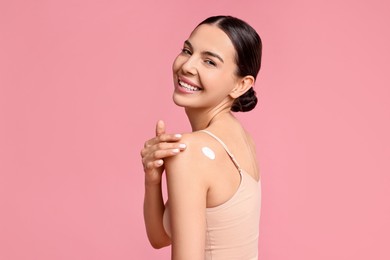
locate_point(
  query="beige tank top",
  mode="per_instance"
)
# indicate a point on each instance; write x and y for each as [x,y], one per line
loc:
[232,228]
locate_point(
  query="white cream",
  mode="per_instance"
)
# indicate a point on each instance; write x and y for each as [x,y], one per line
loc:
[208,152]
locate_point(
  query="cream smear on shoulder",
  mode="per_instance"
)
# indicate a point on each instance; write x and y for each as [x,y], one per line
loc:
[208,152]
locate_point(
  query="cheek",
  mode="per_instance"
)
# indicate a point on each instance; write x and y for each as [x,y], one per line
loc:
[220,80]
[177,62]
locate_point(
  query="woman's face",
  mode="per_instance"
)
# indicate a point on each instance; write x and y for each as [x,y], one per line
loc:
[204,73]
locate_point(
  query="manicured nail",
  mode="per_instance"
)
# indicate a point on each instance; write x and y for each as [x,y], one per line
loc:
[175,150]
[178,135]
[160,162]
[182,146]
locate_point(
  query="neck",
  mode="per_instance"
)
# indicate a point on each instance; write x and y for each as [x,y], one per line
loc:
[201,119]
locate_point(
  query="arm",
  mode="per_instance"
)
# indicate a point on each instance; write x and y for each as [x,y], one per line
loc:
[187,191]
[153,215]
[155,149]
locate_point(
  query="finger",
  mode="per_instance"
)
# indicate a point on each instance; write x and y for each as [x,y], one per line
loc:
[158,163]
[169,137]
[167,146]
[149,165]
[154,164]
[163,138]
[155,159]
[160,154]
[160,128]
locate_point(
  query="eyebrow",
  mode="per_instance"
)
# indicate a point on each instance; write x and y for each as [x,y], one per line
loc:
[209,53]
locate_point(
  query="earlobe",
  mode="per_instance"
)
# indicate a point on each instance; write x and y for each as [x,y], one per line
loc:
[242,86]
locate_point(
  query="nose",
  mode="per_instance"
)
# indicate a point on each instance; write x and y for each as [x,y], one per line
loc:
[190,66]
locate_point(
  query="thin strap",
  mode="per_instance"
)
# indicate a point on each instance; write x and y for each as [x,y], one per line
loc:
[225,147]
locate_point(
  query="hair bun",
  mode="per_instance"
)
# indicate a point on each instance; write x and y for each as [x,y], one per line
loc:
[245,102]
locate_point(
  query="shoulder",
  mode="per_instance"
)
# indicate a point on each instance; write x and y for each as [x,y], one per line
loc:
[193,156]
[197,160]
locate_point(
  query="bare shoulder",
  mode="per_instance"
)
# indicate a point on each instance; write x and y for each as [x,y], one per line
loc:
[193,158]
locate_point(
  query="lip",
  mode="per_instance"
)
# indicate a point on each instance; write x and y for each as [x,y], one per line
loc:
[184,90]
[187,81]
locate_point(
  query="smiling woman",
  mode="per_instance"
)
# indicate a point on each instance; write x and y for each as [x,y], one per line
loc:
[213,179]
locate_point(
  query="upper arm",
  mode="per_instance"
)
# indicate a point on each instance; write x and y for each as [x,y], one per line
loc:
[187,192]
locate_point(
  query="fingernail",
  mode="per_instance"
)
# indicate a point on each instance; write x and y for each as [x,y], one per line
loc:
[160,162]
[178,135]
[175,150]
[182,146]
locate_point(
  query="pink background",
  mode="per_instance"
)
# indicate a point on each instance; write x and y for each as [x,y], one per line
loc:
[83,82]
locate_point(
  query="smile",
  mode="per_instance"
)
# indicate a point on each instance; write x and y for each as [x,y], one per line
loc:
[188,86]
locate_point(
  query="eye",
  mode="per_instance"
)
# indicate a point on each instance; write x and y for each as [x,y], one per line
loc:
[210,62]
[186,51]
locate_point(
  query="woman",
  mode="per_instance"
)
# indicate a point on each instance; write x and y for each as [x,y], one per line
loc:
[213,205]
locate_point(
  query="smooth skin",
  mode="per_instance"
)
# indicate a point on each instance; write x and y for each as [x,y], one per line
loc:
[155,150]
[195,182]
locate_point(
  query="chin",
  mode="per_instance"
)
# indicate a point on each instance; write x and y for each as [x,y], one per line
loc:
[180,102]
[177,101]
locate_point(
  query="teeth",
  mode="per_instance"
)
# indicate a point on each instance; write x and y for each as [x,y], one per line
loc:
[187,86]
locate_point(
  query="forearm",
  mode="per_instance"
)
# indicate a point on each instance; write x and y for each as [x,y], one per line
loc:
[153,216]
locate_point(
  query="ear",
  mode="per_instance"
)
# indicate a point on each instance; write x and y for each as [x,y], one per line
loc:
[242,86]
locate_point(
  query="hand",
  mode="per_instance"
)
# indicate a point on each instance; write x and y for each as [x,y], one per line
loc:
[156,149]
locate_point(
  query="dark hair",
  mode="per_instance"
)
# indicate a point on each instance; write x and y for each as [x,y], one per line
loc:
[248,46]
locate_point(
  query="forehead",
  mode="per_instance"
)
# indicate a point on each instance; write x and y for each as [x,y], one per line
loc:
[211,38]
